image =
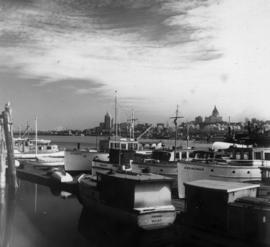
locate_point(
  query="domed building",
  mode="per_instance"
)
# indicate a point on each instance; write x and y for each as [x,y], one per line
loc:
[214,118]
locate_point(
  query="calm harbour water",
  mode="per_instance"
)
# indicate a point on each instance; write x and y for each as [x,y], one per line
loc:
[43,218]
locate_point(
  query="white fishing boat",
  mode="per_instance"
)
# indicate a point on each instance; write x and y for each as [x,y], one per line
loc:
[161,161]
[45,161]
[39,151]
[240,165]
[27,149]
[164,161]
[143,200]
[121,155]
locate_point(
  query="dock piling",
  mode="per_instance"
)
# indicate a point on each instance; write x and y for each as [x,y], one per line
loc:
[11,171]
[2,156]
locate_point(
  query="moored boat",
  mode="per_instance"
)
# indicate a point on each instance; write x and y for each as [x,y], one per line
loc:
[45,161]
[161,161]
[121,155]
[239,165]
[32,152]
[61,175]
[219,213]
[143,200]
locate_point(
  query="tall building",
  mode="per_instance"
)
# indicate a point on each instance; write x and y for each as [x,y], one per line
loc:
[107,121]
[214,118]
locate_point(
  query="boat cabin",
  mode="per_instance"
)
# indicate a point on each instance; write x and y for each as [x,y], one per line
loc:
[202,155]
[258,156]
[131,190]
[119,144]
[207,201]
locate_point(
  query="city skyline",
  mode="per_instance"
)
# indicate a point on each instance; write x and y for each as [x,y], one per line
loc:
[107,126]
[63,61]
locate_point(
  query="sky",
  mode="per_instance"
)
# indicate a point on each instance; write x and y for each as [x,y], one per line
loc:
[63,60]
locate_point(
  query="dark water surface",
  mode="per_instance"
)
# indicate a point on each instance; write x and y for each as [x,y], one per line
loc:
[44,219]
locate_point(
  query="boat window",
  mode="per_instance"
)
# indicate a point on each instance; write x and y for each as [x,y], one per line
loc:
[258,155]
[130,146]
[112,145]
[163,156]
[238,156]
[245,156]
[117,145]
[135,146]
[49,147]
[177,155]
[123,146]
[267,156]
[184,155]
[39,148]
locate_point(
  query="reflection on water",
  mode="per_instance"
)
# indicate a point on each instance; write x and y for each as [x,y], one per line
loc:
[7,209]
[43,218]
[104,232]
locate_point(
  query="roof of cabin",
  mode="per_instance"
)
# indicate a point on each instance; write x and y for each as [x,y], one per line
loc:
[136,177]
[222,185]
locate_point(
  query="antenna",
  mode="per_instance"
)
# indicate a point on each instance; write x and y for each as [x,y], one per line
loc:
[175,118]
[132,124]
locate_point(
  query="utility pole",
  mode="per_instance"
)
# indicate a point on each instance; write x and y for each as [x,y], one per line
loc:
[175,118]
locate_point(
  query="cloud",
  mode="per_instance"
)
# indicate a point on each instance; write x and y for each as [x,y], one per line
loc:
[151,50]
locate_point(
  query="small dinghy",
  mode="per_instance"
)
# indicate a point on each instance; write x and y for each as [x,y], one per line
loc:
[61,176]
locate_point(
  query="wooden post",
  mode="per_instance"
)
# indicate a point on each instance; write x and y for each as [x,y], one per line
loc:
[11,171]
[2,156]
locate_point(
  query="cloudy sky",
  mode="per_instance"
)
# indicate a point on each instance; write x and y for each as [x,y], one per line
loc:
[63,59]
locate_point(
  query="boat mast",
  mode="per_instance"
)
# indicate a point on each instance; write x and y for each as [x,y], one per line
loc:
[36,135]
[132,125]
[115,113]
[187,134]
[175,118]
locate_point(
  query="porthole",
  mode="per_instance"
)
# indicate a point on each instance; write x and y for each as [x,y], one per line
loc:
[212,170]
[233,171]
[248,172]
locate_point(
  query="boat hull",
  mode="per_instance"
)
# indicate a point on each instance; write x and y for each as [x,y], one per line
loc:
[144,218]
[191,171]
[146,221]
[33,155]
